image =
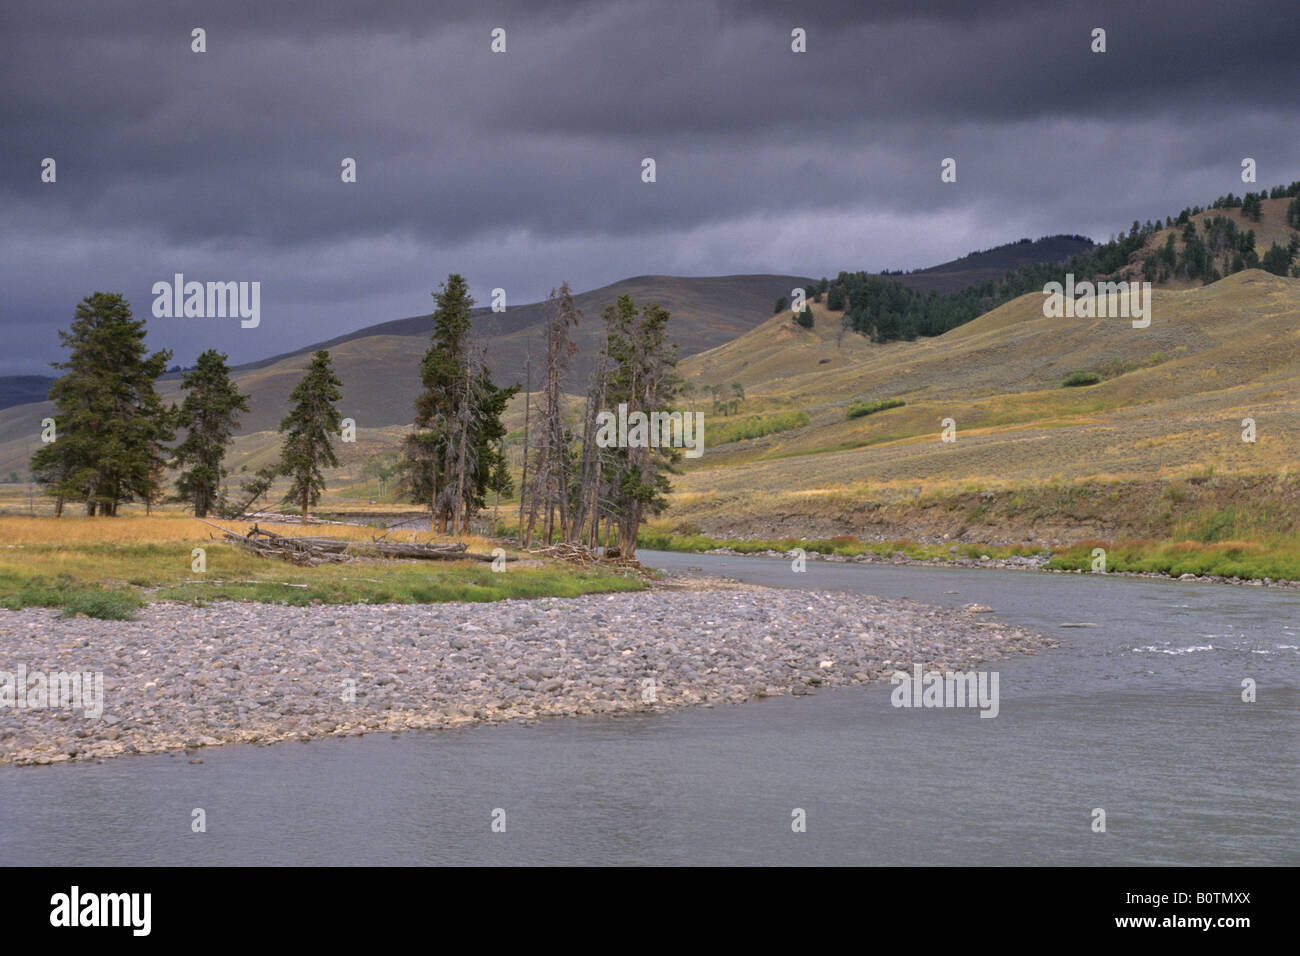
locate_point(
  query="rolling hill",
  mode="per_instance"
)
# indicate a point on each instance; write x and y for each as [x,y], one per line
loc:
[1169,408]
[1271,228]
[379,364]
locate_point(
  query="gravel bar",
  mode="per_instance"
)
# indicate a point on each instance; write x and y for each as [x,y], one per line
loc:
[184,678]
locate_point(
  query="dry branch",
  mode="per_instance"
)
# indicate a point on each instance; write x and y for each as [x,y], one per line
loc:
[316,550]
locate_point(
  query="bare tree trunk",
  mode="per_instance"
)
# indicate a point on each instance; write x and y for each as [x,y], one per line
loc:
[585,523]
[523,480]
[496,503]
[434,508]
[549,490]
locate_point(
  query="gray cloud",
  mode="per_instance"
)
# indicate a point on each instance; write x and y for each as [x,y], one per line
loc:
[522,170]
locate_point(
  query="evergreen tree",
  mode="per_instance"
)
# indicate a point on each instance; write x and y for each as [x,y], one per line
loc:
[1277,260]
[209,413]
[111,424]
[642,376]
[311,425]
[454,452]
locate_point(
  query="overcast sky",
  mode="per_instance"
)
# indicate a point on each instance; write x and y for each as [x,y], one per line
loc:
[523,169]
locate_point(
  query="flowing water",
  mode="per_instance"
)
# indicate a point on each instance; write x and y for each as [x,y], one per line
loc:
[1140,715]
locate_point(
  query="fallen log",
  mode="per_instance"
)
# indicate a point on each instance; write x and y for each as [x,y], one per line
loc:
[316,550]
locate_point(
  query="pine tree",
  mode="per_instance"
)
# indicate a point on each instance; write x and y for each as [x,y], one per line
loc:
[209,413]
[1277,260]
[311,426]
[643,376]
[452,455]
[111,424]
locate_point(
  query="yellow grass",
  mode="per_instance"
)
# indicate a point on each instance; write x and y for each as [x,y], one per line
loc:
[183,529]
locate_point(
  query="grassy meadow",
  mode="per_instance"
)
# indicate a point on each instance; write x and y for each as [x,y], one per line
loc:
[1148,459]
[110,567]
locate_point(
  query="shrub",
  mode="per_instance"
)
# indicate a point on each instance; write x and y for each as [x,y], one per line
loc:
[1081,377]
[861,409]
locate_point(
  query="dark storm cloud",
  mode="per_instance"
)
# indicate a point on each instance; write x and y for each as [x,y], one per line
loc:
[523,169]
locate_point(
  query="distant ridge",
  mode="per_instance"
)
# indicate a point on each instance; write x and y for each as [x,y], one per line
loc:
[977,267]
[379,363]
[24,389]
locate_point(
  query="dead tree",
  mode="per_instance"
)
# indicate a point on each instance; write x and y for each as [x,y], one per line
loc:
[549,490]
[585,527]
[523,480]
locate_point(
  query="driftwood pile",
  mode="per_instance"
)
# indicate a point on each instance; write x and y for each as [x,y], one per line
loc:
[311,551]
[573,553]
[587,557]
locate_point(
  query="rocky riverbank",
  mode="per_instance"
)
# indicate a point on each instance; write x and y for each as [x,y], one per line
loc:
[183,678]
[1033,562]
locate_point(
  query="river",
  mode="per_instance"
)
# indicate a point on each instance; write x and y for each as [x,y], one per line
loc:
[1140,716]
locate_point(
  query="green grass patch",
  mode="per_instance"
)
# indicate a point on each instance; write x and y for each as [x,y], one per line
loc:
[752,426]
[661,540]
[1278,558]
[113,581]
[407,584]
[70,596]
[862,409]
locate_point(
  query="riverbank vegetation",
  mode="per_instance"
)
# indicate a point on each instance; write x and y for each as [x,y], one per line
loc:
[1277,559]
[108,568]
[1239,527]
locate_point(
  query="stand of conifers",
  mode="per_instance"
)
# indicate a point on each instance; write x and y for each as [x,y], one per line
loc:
[579,487]
[576,489]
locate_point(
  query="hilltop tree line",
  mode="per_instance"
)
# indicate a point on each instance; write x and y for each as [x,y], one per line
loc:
[885,310]
[111,440]
[1219,250]
[1225,248]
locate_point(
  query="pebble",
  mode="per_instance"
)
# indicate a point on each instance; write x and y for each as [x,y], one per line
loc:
[187,678]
